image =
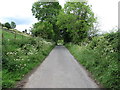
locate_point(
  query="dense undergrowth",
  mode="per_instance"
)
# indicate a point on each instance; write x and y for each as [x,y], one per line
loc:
[21,55]
[100,57]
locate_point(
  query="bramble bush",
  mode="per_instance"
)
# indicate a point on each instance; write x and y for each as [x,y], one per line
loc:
[100,57]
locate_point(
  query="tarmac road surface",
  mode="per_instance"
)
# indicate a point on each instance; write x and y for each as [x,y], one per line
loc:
[60,70]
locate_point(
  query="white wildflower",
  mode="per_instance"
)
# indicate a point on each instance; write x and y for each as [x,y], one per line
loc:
[24,64]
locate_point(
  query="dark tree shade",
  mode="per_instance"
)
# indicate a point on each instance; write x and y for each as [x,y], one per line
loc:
[7,25]
[13,25]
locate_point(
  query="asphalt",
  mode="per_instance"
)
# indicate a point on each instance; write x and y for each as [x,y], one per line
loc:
[60,70]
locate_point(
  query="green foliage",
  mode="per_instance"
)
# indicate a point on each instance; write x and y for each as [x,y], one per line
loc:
[43,29]
[8,35]
[100,57]
[74,21]
[7,25]
[65,23]
[72,24]
[20,56]
[13,25]
[46,11]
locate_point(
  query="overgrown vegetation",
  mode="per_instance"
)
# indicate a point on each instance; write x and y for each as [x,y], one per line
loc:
[21,55]
[74,23]
[100,57]
[10,35]
[70,23]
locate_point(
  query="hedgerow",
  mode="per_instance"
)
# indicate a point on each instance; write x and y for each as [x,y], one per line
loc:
[100,57]
[20,56]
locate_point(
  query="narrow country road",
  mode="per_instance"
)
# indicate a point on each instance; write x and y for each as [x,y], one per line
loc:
[60,70]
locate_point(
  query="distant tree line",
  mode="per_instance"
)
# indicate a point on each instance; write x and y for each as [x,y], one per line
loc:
[8,25]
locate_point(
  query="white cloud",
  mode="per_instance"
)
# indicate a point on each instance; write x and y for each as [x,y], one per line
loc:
[107,13]
[17,9]
[62,2]
[23,27]
[105,10]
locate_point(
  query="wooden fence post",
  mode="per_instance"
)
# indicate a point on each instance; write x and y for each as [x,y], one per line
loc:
[15,35]
[22,37]
[2,36]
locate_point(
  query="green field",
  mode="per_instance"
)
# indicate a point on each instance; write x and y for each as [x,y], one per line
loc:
[9,35]
[20,55]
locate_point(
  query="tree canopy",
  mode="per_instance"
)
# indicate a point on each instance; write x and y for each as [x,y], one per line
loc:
[46,11]
[72,23]
[7,25]
[43,29]
[13,25]
[75,20]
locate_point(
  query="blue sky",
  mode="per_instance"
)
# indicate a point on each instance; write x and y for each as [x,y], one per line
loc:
[19,11]
[19,21]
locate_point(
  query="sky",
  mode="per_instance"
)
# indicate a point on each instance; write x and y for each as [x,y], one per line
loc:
[19,11]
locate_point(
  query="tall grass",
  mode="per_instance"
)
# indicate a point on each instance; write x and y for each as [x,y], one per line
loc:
[100,57]
[10,35]
[20,56]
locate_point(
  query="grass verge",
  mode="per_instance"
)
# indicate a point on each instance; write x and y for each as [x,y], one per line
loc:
[20,56]
[100,57]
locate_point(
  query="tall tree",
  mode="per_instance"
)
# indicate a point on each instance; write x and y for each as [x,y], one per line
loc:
[47,11]
[65,22]
[7,25]
[76,20]
[13,25]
